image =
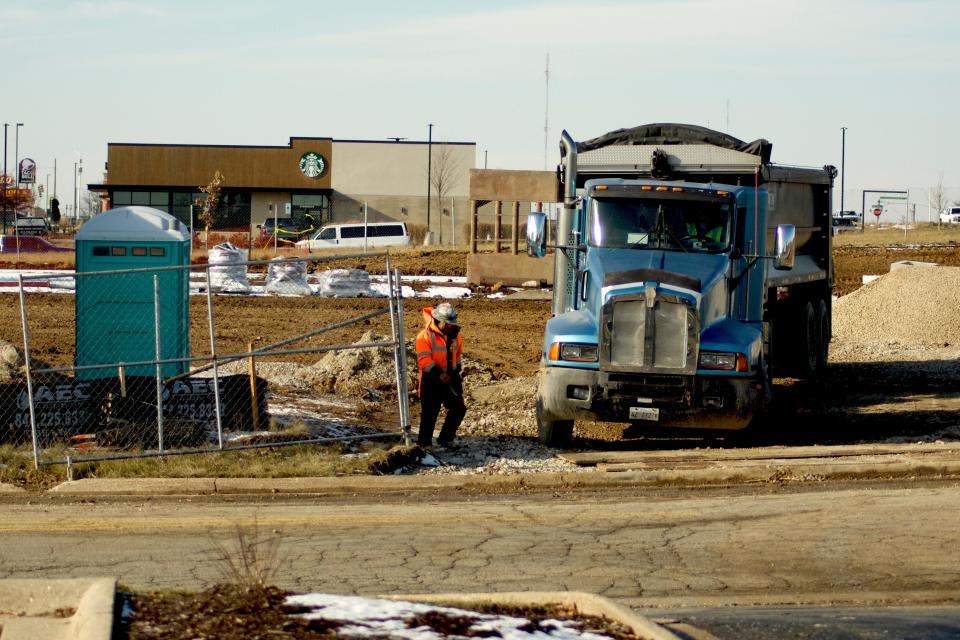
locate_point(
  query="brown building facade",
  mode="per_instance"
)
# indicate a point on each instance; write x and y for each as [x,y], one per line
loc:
[313,180]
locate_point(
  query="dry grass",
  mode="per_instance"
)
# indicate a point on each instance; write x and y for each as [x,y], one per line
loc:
[921,233]
[16,468]
[301,461]
[280,462]
[251,559]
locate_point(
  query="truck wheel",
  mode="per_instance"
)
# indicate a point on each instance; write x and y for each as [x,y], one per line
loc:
[553,433]
[823,323]
[809,356]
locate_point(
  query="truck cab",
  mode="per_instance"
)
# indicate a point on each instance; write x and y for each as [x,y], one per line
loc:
[666,292]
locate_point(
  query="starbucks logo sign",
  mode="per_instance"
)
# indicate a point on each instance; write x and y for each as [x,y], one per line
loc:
[312,164]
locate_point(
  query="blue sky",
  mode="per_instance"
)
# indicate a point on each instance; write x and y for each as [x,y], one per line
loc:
[81,74]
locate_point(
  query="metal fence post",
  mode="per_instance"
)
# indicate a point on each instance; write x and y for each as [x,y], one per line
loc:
[213,354]
[398,353]
[402,364]
[26,364]
[156,331]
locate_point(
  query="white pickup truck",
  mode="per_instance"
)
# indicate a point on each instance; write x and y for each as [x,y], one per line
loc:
[950,215]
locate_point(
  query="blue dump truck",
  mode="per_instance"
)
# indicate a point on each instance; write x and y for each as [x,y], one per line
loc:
[688,270]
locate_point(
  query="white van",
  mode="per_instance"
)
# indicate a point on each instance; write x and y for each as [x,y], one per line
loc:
[950,215]
[378,234]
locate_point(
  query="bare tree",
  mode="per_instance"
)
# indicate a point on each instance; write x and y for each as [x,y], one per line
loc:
[90,204]
[937,197]
[446,166]
[211,204]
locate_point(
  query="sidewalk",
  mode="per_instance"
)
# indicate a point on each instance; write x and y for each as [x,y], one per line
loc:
[70,609]
[613,470]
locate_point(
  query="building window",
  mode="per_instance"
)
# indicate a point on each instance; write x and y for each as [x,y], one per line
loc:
[121,198]
[310,210]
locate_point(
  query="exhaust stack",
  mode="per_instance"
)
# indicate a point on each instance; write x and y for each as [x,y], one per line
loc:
[562,283]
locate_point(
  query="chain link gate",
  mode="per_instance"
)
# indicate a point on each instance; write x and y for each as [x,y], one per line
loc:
[140,385]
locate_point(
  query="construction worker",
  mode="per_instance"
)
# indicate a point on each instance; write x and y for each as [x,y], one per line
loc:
[439,346]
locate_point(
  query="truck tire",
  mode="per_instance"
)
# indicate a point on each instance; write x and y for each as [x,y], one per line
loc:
[823,322]
[553,433]
[809,345]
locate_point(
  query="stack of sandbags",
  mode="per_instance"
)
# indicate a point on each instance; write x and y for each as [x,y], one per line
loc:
[229,275]
[287,277]
[344,283]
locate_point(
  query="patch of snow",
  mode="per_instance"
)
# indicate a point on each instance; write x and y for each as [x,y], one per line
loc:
[375,618]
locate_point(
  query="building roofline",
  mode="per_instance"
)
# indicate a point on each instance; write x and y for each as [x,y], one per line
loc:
[287,146]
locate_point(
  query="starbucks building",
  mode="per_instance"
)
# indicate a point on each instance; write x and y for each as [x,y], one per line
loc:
[316,180]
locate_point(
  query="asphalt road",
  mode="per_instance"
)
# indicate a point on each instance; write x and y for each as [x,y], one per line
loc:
[762,545]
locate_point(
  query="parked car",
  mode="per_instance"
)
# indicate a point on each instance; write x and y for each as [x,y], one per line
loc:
[378,234]
[845,221]
[288,231]
[950,215]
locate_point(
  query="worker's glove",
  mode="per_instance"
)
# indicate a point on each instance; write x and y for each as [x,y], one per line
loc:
[445,378]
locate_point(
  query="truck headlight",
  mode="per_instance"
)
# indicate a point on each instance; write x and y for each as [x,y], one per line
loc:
[573,352]
[723,361]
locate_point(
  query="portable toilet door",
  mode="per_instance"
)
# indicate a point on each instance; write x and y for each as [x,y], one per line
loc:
[115,313]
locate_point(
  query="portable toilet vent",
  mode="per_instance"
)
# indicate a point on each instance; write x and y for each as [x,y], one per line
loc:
[115,320]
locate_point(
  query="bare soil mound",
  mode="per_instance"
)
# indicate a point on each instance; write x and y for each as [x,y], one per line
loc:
[909,306]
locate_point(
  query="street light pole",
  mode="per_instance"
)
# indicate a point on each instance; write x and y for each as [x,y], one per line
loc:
[16,151]
[429,172]
[4,185]
[843,162]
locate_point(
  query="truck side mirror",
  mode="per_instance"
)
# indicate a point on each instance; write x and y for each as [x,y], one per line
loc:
[536,234]
[786,247]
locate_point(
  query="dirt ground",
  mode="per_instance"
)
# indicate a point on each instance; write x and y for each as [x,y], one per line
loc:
[505,335]
[503,340]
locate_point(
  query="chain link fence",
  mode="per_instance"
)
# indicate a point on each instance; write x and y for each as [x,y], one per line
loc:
[163,363]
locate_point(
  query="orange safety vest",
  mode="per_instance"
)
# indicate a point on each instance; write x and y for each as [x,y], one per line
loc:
[433,350]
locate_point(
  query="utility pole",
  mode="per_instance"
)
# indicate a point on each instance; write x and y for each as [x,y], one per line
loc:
[76,194]
[485,152]
[16,151]
[4,186]
[843,162]
[546,110]
[429,173]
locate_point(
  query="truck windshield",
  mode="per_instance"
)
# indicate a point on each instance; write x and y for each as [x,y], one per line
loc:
[677,224]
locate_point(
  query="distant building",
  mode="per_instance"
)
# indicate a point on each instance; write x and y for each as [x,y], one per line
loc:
[321,180]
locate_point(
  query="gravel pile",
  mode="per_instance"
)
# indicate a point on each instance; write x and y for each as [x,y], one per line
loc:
[908,315]
[910,306]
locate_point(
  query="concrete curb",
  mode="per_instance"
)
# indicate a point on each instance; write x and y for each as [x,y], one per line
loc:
[39,609]
[613,477]
[94,617]
[581,602]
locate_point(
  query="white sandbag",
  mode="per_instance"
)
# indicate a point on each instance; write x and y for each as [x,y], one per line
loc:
[345,283]
[229,275]
[287,277]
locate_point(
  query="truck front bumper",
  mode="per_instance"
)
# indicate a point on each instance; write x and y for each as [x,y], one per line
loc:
[696,402]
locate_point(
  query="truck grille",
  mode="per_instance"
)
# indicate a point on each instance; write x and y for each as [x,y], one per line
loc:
[638,338]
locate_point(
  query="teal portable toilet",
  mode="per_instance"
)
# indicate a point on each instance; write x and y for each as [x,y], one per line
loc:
[115,313]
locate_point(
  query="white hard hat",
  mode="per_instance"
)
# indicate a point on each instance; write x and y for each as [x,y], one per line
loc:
[444,312]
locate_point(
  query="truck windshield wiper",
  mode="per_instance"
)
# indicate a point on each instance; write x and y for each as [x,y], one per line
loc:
[662,230]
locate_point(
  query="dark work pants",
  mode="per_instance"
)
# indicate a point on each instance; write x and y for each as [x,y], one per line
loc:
[433,395]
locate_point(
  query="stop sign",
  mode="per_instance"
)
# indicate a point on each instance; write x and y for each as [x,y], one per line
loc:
[877,211]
